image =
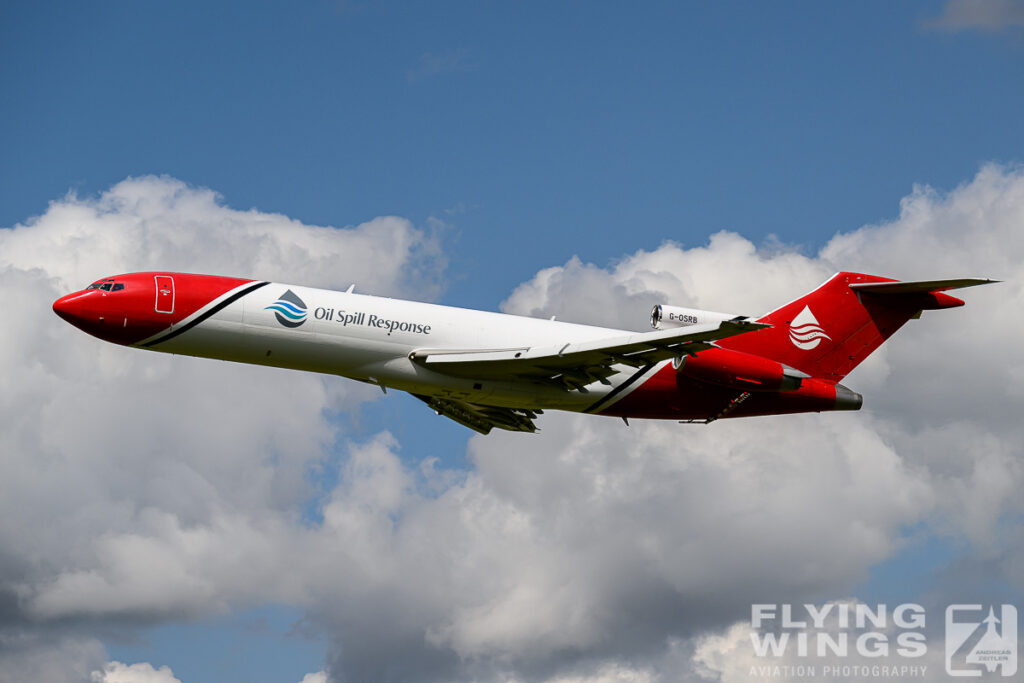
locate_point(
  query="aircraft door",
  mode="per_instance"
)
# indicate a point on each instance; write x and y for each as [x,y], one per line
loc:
[164,294]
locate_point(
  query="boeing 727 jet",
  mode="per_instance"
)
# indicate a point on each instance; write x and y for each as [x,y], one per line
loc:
[487,370]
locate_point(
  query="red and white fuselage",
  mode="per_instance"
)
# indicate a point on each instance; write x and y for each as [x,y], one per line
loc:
[473,365]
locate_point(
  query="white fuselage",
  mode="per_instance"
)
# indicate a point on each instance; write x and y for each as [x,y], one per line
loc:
[370,338]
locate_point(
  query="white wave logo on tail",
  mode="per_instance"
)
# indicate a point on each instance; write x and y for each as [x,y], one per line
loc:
[805,332]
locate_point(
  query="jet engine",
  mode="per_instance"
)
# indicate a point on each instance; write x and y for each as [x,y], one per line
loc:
[738,370]
[667,317]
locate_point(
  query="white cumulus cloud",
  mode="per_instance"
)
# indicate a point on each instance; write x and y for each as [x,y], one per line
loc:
[588,551]
[143,485]
[143,672]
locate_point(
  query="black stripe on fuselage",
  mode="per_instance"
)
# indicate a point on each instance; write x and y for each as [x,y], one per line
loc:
[619,389]
[223,304]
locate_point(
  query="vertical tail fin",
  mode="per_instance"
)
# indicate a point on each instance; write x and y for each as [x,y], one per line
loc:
[829,331]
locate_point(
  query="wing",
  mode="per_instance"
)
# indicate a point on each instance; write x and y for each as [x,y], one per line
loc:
[574,365]
[482,418]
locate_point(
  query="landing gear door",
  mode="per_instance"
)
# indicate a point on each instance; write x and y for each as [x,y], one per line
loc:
[164,294]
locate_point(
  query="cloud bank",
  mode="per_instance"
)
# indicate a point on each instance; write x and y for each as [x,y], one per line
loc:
[136,487]
[587,552]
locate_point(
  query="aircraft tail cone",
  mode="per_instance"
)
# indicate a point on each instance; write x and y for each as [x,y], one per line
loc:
[847,399]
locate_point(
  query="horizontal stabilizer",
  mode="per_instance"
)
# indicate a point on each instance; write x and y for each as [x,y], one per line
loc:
[919,286]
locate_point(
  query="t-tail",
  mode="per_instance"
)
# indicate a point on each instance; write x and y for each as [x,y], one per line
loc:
[830,331]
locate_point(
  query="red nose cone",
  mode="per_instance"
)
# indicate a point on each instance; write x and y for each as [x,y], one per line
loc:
[69,307]
[87,311]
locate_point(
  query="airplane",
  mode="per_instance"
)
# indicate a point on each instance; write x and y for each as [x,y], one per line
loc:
[489,370]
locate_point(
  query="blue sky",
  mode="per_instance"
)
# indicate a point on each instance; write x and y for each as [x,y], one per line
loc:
[588,127]
[522,134]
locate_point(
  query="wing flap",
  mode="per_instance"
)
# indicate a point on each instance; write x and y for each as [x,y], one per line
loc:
[482,418]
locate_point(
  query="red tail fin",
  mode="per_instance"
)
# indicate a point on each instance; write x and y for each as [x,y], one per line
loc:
[828,332]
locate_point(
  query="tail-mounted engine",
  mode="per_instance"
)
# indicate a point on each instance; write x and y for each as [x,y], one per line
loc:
[725,367]
[738,370]
[667,317]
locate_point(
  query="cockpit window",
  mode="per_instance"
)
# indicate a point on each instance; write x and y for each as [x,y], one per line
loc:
[107,285]
[103,285]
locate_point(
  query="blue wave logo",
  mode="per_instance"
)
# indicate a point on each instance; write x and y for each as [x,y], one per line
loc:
[289,309]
